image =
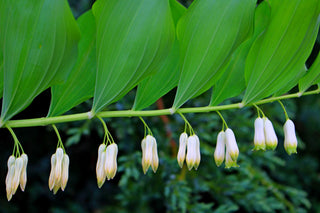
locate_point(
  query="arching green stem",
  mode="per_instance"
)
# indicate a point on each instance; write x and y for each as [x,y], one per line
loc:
[223,121]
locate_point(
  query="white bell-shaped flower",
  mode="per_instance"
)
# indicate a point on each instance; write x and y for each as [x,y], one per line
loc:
[231,144]
[23,176]
[59,158]
[290,139]
[155,158]
[65,171]
[191,152]
[110,166]
[198,154]
[10,176]
[100,172]
[182,148]
[52,175]
[259,137]
[17,173]
[270,135]
[219,152]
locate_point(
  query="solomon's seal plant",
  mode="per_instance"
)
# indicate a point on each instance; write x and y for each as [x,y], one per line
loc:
[238,48]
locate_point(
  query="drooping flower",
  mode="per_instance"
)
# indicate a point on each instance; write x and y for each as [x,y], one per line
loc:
[59,172]
[193,152]
[65,171]
[110,166]
[17,173]
[10,176]
[270,135]
[23,176]
[100,171]
[219,152]
[259,137]
[231,144]
[149,154]
[290,139]
[198,154]
[182,148]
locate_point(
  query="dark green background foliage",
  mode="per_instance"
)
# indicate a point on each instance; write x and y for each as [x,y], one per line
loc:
[268,181]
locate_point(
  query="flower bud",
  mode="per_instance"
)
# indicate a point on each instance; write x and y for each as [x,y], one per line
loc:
[155,158]
[259,138]
[65,171]
[191,152]
[231,144]
[52,175]
[290,139]
[220,148]
[17,173]
[110,165]
[182,149]
[198,154]
[10,176]
[101,175]
[23,176]
[59,158]
[270,135]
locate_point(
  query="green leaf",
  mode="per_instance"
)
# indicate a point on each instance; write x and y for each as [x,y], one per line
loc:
[133,37]
[312,77]
[277,57]
[80,85]
[40,48]
[234,71]
[3,27]
[177,10]
[167,77]
[208,34]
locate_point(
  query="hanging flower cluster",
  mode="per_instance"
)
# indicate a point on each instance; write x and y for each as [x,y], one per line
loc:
[59,173]
[149,154]
[106,166]
[189,150]
[266,138]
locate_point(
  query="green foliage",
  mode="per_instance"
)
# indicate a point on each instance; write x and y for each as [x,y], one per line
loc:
[40,47]
[80,84]
[132,39]
[205,50]
[276,59]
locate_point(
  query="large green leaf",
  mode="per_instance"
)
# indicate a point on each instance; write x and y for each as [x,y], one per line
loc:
[2,30]
[312,77]
[133,37]
[167,77]
[232,81]
[277,57]
[80,85]
[40,47]
[208,34]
